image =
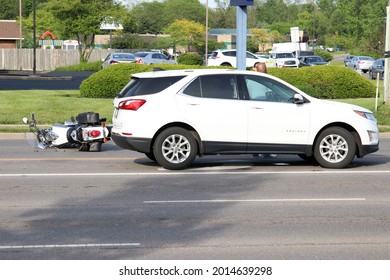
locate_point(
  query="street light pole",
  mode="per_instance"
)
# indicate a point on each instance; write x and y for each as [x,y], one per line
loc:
[207,33]
[20,35]
[34,37]
[386,97]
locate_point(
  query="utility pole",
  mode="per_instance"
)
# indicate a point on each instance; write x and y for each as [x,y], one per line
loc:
[207,34]
[386,97]
[20,39]
[34,37]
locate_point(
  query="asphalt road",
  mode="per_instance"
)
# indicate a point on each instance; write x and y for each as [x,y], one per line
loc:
[56,80]
[116,204]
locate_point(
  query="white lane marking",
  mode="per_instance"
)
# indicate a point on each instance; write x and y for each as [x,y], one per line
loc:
[203,172]
[255,200]
[69,246]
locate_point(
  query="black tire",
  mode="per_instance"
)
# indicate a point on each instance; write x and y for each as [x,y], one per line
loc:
[175,148]
[84,147]
[150,156]
[335,148]
[95,147]
[310,159]
[226,64]
[371,75]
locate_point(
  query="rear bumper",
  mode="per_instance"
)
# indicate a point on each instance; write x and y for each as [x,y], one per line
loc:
[132,143]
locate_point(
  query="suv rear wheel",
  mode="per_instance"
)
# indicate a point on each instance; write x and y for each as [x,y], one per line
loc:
[226,64]
[335,148]
[175,148]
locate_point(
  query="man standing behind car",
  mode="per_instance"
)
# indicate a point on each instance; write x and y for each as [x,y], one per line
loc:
[260,67]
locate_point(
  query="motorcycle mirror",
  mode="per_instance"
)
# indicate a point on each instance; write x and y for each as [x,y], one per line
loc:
[25,120]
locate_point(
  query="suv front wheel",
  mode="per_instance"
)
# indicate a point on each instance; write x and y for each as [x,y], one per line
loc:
[175,148]
[335,148]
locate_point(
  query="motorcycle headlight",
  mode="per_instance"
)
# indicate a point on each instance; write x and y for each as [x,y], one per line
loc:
[50,136]
[366,115]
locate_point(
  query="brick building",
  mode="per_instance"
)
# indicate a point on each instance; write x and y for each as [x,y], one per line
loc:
[9,34]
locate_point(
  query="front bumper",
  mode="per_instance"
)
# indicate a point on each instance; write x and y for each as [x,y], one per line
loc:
[368,149]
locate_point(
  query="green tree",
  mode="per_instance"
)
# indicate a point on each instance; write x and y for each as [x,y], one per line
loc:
[9,9]
[129,41]
[147,17]
[82,18]
[191,10]
[153,17]
[186,33]
[44,21]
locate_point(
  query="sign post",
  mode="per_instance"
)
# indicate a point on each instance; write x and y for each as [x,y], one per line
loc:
[241,33]
[386,96]
[109,23]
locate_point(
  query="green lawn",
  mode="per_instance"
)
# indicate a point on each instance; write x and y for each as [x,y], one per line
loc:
[59,105]
[49,106]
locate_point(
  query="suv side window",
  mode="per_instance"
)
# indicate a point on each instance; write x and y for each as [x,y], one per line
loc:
[230,53]
[248,55]
[213,86]
[146,86]
[264,89]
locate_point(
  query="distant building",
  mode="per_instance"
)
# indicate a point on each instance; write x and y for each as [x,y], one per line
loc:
[9,34]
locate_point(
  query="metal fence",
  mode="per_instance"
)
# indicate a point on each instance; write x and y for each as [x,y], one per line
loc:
[46,59]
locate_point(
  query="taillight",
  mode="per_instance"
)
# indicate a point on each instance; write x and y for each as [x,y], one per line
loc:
[140,61]
[113,62]
[131,104]
[94,133]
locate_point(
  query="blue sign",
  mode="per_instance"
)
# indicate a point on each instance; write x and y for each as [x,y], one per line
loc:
[241,2]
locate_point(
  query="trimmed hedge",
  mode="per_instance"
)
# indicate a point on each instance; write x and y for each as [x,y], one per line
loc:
[108,82]
[190,59]
[328,82]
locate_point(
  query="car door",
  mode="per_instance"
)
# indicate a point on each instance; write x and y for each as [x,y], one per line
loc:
[155,58]
[273,117]
[211,105]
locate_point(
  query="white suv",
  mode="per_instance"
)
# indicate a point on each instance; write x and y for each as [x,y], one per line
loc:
[229,58]
[284,59]
[173,116]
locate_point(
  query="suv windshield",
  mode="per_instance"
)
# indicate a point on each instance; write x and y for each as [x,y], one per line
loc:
[146,86]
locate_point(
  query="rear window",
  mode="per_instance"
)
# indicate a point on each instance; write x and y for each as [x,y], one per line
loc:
[141,54]
[145,86]
[123,56]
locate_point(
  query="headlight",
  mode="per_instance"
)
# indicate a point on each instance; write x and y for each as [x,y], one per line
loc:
[366,115]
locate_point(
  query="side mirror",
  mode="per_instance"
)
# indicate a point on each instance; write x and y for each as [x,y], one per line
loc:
[25,120]
[298,99]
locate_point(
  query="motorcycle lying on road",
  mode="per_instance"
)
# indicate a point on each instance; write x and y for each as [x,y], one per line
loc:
[87,133]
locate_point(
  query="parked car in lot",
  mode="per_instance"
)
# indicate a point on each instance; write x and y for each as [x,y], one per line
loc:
[362,63]
[347,59]
[118,57]
[229,58]
[313,60]
[284,59]
[174,116]
[377,68]
[153,58]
